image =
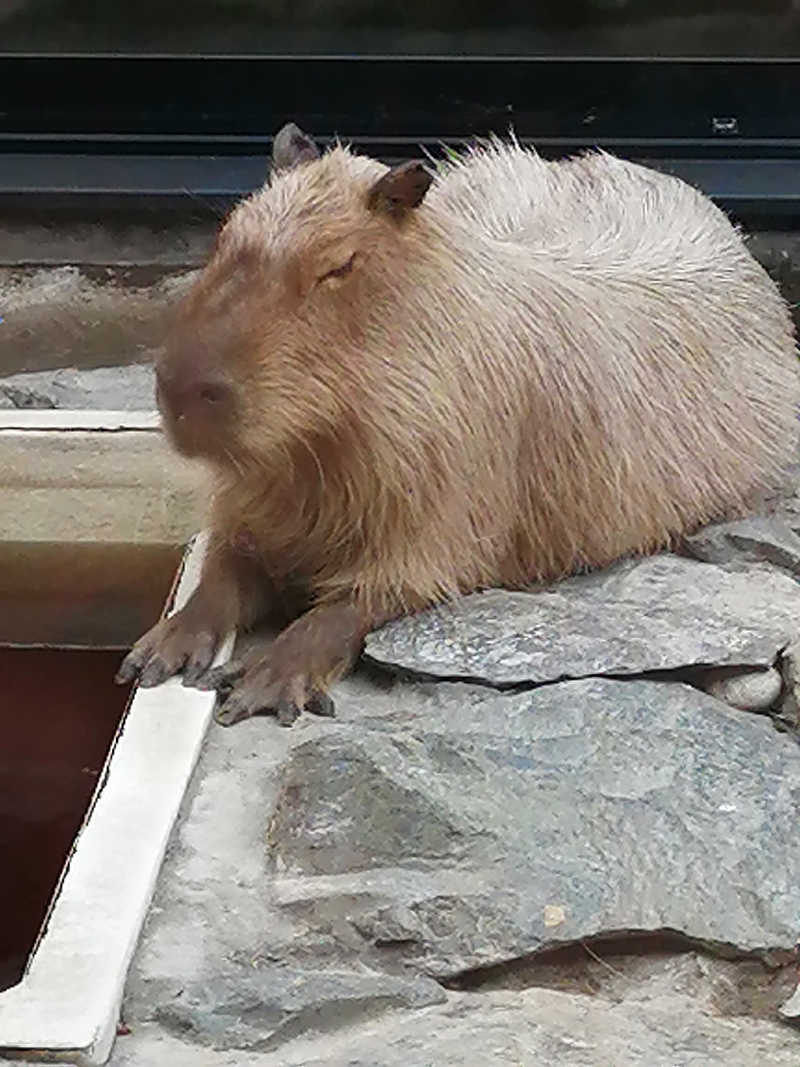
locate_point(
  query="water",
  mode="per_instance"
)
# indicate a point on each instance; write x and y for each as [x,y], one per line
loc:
[59,712]
[59,708]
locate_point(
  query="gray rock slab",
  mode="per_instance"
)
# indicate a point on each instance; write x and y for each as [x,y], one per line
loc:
[215,960]
[126,388]
[527,1028]
[664,612]
[270,1006]
[755,540]
[493,826]
[323,881]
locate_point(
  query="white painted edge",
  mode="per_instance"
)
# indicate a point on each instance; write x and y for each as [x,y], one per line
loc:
[67,1005]
[74,419]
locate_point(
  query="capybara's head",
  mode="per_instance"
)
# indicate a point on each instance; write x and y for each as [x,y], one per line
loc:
[253,359]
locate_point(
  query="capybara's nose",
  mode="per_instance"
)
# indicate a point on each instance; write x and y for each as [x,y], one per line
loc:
[189,392]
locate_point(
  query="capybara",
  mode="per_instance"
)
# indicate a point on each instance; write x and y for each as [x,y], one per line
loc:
[415,382]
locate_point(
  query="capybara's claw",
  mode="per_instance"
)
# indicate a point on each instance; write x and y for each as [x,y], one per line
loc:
[154,673]
[287,713]
[258,687]
[130,667]
[224,677]
[200,658]
[321,704]
[233,710]
[173,645]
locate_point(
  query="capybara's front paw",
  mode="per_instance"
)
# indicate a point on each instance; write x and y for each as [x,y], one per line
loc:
[177,644]
[293,674]
[264,684]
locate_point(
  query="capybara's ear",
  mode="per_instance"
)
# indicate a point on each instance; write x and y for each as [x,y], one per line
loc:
[291,146]
[400,189]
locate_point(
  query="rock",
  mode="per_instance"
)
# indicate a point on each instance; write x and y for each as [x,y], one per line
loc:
[271,1005]
[15,396]
[753,540]
[66,316]
[790,1009]
[324,880]
[790,668]
[490,827]
[507,1028]
[659,613]
[746,690]
[787,508]
[129,388]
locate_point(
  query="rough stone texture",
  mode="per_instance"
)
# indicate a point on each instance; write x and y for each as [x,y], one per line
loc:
[132,235]
[785,506]
[495,826]
[790,1009]
[755,540]
[747,690]
[790,668]
[125,388]
[529,1028]
[81,317]
[325,878]
[660,613]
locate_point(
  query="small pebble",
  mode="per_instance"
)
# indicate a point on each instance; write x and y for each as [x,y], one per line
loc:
[748,690]
[790,1009]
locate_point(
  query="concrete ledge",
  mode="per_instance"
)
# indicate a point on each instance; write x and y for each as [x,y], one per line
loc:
[67,1005]
[94,476]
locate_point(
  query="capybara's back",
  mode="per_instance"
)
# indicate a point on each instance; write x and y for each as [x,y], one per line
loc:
[638,363]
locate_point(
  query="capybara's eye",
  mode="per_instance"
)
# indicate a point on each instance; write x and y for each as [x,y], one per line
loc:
[340,272]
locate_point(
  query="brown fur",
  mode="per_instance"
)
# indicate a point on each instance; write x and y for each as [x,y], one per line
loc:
[536,368]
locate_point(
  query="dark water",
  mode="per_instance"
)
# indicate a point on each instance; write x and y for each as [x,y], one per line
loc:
[59,711]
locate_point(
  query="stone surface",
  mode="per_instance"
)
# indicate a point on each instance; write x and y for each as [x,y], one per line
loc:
[490,827]
[790,668]
[747,690]
[69,316]
[754,540]
[790,1009]
[528,1028]
[660,613]
[214,961]
[785,505]
[779,253]
[326,877]
[136,235]
[125,388]
[271,1005]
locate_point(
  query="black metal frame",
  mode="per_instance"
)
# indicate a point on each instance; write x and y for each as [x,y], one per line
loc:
[171,125]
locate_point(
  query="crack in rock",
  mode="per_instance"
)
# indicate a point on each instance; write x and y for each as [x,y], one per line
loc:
[662,613]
